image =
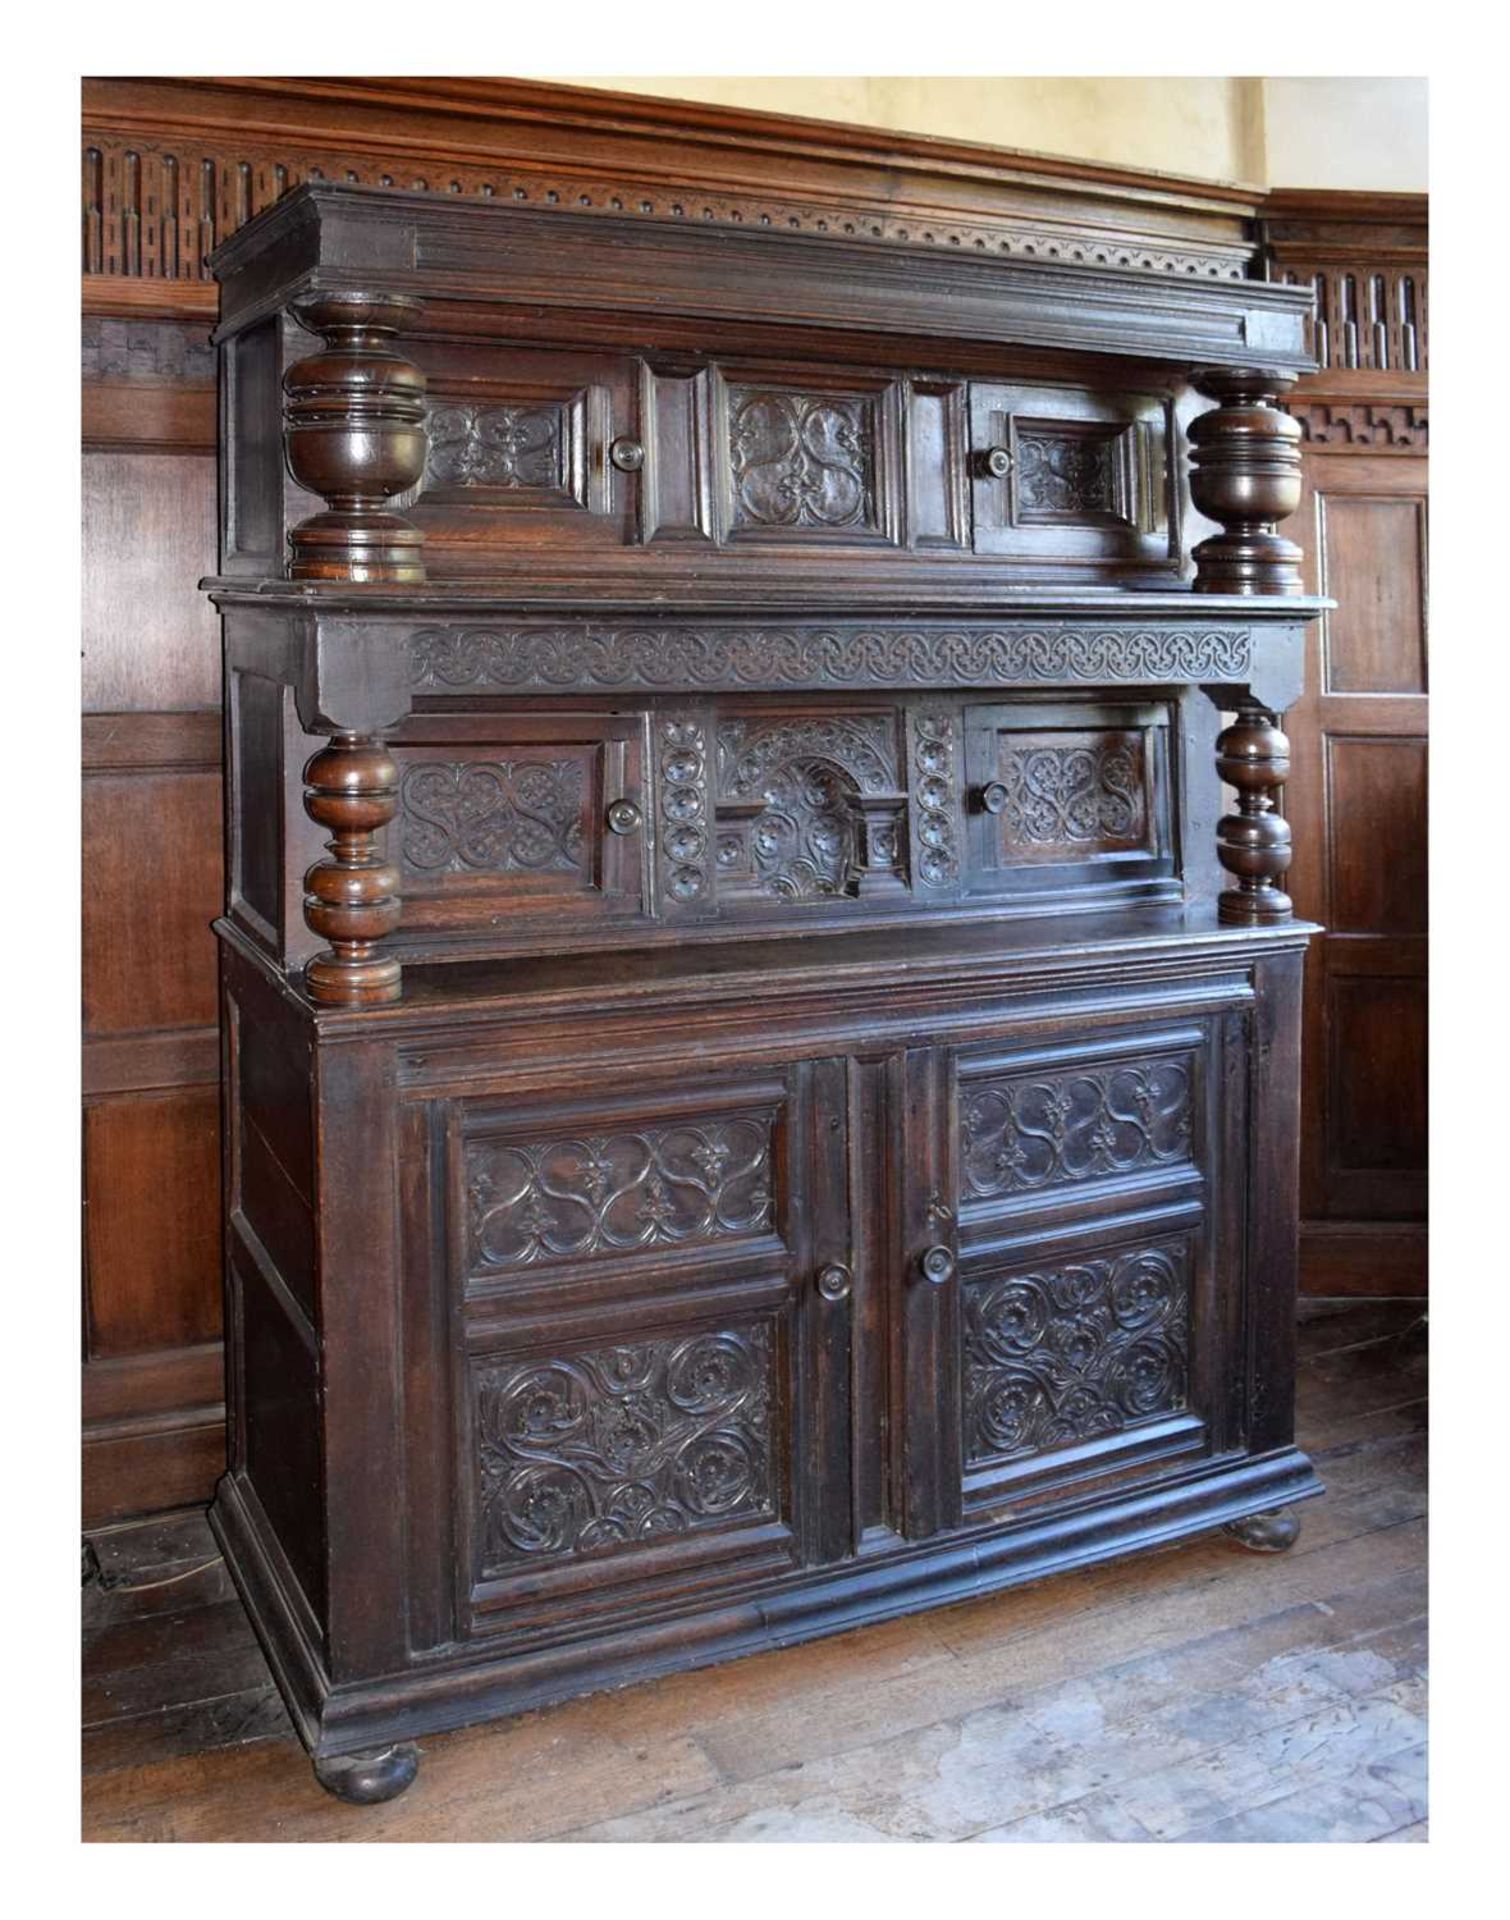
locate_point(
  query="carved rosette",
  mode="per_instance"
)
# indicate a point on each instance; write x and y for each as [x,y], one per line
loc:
[1253,844]
[352,899]
[1245,475]
[354,426]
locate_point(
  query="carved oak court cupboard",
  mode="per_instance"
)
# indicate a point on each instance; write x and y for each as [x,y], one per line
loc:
[750,1107]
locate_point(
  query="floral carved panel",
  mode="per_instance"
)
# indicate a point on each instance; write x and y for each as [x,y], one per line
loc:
[572,1195]
[801,462]
[1067,475]
[1043,1129]
[1075,1351]
[508,447]
[584,1452]
[809,806]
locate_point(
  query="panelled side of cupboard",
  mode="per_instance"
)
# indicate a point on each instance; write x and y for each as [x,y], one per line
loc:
[168,169]
[760,1091]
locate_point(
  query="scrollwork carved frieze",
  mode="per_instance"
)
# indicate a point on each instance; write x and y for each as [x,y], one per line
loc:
[736,658]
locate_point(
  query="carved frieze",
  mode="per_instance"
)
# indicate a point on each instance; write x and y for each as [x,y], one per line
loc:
[589,1451]
[820,656]
[1362,423]
[802,462]
[1049,1128]
[1075,1351]
[492,817]
[566,1196]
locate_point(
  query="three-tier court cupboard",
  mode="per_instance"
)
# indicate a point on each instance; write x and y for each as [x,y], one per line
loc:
[762,1083]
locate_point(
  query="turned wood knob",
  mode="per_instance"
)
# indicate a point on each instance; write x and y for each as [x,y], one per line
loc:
[624,817]
[991,463]
[835,1281]
[993,797]
[627,455]
[937,1266]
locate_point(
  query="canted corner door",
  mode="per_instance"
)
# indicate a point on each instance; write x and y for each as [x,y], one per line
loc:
[1078,1322]
[650,1362]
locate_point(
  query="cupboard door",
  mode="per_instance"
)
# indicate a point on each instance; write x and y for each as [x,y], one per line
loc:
[653,1294]
[1079,483]
[514,826]
[1086,1323]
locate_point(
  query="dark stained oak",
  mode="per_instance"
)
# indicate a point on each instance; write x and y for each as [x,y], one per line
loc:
[819,1146]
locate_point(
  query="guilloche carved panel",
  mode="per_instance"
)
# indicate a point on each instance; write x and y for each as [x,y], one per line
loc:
[504,816]
[1045,1129]
[1075,1351]
[566,1196]
[587,1452]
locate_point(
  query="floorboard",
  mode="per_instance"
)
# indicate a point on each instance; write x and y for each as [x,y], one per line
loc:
[1201,1694]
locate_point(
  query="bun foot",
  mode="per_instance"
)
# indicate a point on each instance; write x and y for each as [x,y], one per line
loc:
[1266,1532]
[365,1779]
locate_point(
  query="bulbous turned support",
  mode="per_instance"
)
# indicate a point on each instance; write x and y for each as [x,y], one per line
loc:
[354,432]
[367,1779]
[352,899]
[1253,844]
[1245,475]
[1273,1532]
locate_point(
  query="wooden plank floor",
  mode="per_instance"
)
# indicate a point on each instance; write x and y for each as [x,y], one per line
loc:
[1201,1693]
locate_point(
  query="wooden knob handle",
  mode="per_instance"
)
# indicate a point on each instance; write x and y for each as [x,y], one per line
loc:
[835,1281]
[992,463]
[937,1266]
[627,455]
[624,817]
[993,798]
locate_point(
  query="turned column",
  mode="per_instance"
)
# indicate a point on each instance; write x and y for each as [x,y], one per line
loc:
[354,428]
[1245,475]
[352,899]
[1253,844]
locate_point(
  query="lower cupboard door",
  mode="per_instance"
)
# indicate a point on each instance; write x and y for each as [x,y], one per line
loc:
[1089,1323]
[653,1382]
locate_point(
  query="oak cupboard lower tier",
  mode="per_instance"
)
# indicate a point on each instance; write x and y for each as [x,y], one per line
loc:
[597,1316]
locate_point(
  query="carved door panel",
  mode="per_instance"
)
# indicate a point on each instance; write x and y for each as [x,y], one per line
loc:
[1356,800]
[653,1297]
[1069,798]
[508,825]
[1068,478]
[1081,1315]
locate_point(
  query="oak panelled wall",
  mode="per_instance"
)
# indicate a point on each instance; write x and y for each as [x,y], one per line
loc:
[152,838]
[1358,736]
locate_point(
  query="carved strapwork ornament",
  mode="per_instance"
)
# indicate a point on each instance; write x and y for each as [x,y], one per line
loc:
[1253,844]
[1245,475]
[354,420]
[352,899]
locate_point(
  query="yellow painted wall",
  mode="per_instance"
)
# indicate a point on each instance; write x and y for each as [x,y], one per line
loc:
[1312,133]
